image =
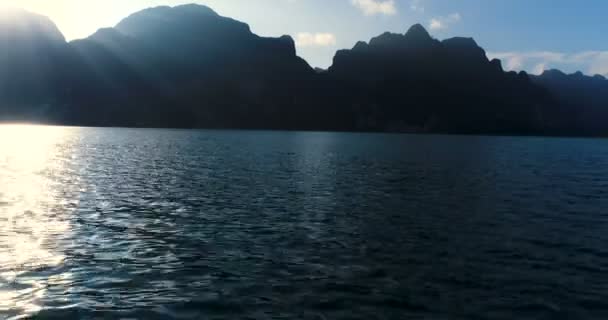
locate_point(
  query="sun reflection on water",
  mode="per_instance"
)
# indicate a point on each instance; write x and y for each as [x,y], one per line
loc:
[32,217]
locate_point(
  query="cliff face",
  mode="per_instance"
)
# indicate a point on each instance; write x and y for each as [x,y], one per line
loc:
[187,66]
[413,80]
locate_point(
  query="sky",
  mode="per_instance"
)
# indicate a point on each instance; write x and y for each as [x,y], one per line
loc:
[526,35]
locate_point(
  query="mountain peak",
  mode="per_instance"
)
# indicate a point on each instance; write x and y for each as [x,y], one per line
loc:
[167,12]
[497,65]
[195,8]
[184,8]
[465,47]
[461,42]
[19,23]
[417,31]
[386,39]
[415,37]
[553,73]
[578,74]
[153,20]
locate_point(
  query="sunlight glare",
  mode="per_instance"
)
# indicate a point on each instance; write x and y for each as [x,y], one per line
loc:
[31,220]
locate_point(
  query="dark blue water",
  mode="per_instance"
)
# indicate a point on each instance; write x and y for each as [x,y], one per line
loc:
[145,224]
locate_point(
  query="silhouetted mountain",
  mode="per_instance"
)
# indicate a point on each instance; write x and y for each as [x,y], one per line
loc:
[583,101]
[31,62]
[187,66]
[414,82]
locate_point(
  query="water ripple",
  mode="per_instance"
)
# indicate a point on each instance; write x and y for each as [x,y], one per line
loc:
[158,224]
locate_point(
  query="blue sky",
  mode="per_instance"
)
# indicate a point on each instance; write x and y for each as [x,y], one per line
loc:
[530,35]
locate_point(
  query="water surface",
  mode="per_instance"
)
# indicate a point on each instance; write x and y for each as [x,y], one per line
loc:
[144,224]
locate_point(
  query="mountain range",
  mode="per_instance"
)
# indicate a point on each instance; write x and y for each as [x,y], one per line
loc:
[188,67]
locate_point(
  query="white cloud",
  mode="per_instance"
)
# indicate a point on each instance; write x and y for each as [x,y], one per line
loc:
[539,68]
[373,7]
[307,39]
[442,23]
[599,62]
[590,62]
[436,24]
[417,6]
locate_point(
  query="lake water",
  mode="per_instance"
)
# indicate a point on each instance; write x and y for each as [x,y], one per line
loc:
[144,224]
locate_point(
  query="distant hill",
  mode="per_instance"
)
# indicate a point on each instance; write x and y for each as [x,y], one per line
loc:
[582,107]
[187,66]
